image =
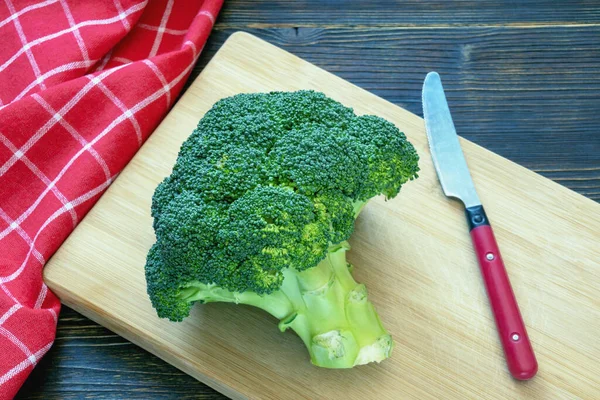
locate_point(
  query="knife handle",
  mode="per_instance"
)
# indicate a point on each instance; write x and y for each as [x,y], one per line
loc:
[513,335]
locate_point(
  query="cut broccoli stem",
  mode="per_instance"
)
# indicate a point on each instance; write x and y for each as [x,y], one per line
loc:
[324,305]
[358,206]
[276,303]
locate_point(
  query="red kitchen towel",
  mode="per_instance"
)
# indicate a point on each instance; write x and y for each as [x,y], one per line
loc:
[82,85]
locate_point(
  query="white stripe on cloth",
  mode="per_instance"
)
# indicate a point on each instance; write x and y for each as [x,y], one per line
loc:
[25,364]
[192,46]
[123,60]
[15,340]
[138,107]
[95,22]
[26,10]
[53,313]
[24,235]
[62,68]
[41,296]
[123,108]
[209,15]
[30,57]
[18,305]
[9,294]
[122,15]
[161,78]
[40,175]
[38,135]
[173,32]
[76,33]
[81,199]
[73,133]
[10,312]
[104,61]
[161,29]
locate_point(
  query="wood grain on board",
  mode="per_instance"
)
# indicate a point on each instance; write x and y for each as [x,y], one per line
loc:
[413,253]
[260,13]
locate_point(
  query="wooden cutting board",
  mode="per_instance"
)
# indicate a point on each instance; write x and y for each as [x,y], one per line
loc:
[413,253]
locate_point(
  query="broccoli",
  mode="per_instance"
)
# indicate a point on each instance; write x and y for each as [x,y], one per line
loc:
[258,210]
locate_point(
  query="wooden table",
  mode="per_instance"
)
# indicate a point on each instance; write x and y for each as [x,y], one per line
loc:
[523,80]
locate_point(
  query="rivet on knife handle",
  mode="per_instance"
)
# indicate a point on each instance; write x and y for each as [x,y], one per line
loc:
[511,328]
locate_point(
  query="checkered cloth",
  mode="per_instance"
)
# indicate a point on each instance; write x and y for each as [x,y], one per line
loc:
[82,85]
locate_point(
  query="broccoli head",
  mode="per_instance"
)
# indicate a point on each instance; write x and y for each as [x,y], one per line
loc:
[258,210]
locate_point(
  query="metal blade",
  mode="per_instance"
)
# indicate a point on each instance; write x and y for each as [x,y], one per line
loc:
[447,155]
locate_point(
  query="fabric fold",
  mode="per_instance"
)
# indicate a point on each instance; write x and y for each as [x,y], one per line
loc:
[82,86]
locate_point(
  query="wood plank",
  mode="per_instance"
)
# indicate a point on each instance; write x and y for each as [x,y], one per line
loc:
[264,13]
[88,360]
[419,267]
[530,95]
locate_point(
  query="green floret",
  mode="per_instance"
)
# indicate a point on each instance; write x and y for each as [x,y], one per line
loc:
[340,211]
[391,159]
[314,158]
[258,209]
[274,227]
[164,287]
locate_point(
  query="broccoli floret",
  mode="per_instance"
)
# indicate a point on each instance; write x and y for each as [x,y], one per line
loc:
[258,210]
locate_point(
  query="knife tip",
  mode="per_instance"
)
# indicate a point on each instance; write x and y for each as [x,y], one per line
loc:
[432,75]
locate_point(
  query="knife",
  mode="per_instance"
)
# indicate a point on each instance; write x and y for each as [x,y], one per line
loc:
[457,183]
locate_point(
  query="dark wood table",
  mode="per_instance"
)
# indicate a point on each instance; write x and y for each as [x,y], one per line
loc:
[522,79]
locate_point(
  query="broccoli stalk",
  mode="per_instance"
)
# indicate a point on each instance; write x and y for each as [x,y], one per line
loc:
[324,305]
[259,208]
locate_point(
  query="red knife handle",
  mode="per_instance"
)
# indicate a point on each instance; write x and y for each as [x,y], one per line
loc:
[513,335]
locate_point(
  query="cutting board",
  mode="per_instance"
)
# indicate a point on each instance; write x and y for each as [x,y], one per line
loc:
[413,253]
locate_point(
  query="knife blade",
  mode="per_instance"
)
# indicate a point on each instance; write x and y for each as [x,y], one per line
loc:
[447,155]
[456,181]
